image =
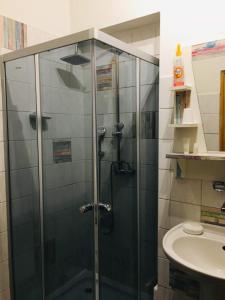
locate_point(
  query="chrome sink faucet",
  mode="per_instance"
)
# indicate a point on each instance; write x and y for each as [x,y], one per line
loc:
[223,208]
[219,186]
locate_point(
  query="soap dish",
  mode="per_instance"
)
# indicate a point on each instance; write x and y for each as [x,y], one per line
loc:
[193,228]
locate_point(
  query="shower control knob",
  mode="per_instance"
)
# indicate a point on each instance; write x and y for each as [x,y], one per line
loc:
[105,206]
[119,126]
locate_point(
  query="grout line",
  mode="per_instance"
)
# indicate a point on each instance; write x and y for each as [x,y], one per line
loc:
[164,228]
[188,203]
[163,198]
[4,260]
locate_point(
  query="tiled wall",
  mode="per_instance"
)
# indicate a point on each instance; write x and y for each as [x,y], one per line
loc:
[180,199]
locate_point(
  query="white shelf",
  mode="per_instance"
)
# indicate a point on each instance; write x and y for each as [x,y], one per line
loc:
[200,156]
[180,88]
[188,125]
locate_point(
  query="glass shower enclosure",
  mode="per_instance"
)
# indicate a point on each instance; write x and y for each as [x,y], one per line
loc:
[82,136]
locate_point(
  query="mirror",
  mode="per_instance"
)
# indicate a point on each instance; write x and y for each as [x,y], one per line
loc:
[208,61]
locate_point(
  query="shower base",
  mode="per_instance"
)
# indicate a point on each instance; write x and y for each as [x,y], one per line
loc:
[81,287]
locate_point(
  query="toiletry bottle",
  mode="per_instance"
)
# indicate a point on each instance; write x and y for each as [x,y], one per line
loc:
[178,72]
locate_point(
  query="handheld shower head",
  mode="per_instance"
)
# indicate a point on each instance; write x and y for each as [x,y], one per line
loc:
[101,132]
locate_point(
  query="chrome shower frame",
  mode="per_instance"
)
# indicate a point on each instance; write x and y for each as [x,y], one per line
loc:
[90,34]
[94,35]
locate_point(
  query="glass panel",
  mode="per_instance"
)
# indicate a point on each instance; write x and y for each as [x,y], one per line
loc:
[148,176]
[66,101]
[117,166]
[24,182]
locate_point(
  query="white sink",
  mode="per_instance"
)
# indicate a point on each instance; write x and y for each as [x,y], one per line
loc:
[201,253]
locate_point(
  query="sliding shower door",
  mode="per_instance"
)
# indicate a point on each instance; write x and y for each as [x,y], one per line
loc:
[23,179]
[116,106]
[127,139]
[148,189]
[66,109]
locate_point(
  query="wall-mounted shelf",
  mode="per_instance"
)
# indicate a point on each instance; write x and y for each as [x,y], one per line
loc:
[181,88]
[182,96]
[190,125]
[199,156]
[183,121]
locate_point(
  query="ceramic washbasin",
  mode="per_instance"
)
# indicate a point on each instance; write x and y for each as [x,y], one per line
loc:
[203,253]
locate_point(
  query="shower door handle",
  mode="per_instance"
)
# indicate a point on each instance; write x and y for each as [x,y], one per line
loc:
[105,206]
[101,206]
[85,208]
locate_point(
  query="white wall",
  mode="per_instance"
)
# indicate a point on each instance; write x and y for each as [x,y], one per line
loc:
[100,13]
[51,16]
[145,37]
[185,21]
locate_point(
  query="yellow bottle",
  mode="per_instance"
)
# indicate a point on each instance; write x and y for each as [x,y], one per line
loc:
[178,72]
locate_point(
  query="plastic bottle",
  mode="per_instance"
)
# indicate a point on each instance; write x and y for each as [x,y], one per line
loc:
[178,72]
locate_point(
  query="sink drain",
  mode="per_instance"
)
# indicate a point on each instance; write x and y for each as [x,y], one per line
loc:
[223,248]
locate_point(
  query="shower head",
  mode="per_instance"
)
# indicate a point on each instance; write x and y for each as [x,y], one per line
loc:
[75,59]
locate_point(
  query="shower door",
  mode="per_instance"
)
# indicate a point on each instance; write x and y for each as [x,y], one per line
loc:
[127,140]
[66,109]
[25,229]
[116,109]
